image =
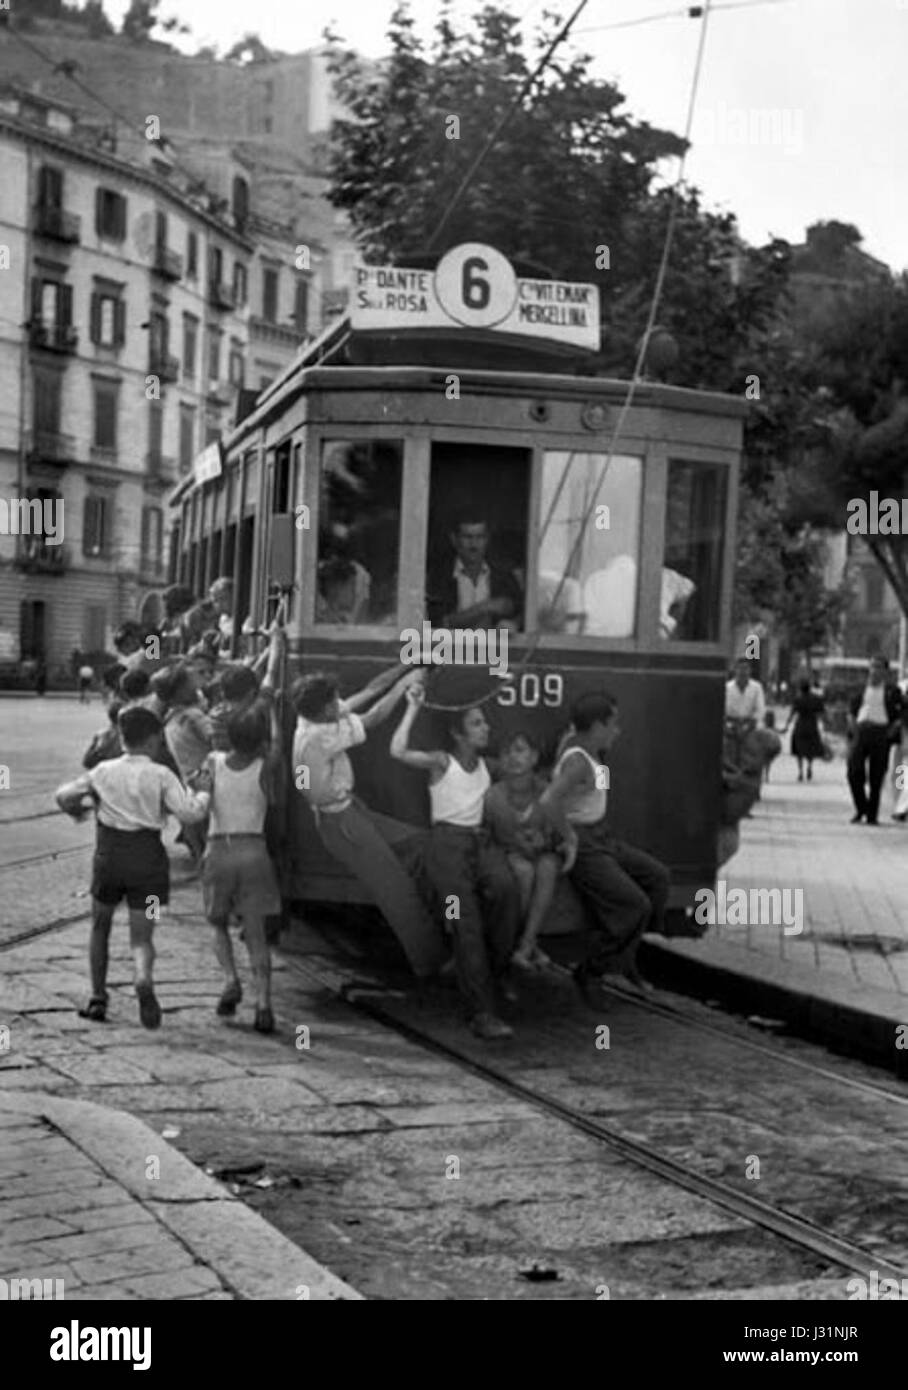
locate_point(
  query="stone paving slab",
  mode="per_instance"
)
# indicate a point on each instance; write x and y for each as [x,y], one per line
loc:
[177,1235]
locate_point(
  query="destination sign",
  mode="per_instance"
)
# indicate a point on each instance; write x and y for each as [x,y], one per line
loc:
[474,286]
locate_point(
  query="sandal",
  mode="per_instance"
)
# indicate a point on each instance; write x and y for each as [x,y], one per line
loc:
[95,1009]
[228,1001]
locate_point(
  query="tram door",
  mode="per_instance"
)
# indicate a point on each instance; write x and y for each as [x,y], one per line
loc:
[475,485]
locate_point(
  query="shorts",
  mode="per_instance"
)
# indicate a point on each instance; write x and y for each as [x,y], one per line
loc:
[131,864]
[238,878]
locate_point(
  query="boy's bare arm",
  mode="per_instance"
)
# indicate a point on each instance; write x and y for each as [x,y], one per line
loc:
[383,707]
[71,796]
[188,807]
[382,682]
[400,742]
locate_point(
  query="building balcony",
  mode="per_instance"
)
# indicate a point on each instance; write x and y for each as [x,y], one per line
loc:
[56,225]
[50,446]
[221,392]
[168,264]
[160,468]
[53,337]
[37,557]
[161,364]
[220,295]
[281,334]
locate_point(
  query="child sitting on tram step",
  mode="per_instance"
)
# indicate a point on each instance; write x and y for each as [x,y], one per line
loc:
[238,877]
[624,889]
[359,838]
[464,864]
[187,732]
[133,795]
[534,844]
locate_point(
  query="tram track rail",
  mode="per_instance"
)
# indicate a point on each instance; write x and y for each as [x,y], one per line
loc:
[366,998]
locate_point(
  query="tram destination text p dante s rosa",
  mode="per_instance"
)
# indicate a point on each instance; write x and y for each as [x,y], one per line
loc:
[459,646]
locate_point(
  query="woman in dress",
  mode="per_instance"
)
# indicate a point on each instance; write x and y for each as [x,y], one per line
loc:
[806,738]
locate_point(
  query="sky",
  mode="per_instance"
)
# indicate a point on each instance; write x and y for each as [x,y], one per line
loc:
[802,107]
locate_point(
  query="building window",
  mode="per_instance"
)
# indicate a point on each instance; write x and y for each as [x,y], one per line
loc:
[240,284]
[187,437]
[152,538]
[301,306]
[240,203]
[155,433]
[192,255]
[52,303]
[47,402]
[108,319]
[214,356]
[95,525]
[161,230]
[106,397]
[215,265]
[237,367]
[110,214]
[190,341]
[269,295]
[158,335]
[50,187]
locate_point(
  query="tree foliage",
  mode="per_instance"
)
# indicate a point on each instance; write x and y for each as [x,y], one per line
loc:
[571,172]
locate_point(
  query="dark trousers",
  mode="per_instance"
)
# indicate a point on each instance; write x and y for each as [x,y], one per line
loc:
[464,865]
[867,759]
[624,889]
[362,841]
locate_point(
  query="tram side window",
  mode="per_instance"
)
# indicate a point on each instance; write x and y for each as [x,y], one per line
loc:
[589,544]
[359,531]
[694,537]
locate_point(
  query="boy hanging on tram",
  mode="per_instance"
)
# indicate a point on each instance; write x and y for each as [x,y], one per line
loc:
[624,889]
[468,871]
[359,838]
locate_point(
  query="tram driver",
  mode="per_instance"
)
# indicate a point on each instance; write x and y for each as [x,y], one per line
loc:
[469,590]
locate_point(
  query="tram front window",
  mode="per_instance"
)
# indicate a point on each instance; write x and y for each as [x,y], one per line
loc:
[694,533]
[359,532]
[589,544]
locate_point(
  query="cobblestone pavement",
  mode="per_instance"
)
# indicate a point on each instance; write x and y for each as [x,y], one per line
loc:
[853,878]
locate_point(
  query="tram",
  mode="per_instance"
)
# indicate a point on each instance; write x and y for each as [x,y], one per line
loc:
[461,392]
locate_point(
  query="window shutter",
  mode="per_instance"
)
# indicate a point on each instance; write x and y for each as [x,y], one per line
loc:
[65,306]
[37,291]
[146,528]
[90,525]
[120,322]
[120,219]
[95,318]
[99,211]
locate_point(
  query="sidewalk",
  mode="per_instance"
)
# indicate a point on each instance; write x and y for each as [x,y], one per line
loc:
[96,1199]
[845,974]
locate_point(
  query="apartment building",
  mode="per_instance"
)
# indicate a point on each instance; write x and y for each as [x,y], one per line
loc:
[124,340]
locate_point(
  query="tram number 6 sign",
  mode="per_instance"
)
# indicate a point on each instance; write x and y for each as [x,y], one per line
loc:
[529,692]
[476,285]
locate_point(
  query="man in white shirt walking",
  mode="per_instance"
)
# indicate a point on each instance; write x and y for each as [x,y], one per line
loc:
[745,702]
[875,722]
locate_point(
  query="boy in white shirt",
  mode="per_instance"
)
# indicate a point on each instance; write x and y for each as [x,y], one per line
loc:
[133,796]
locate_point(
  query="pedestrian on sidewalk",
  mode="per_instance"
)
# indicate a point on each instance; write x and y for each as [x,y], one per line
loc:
[465,865]
[874,723]
[238,877]
[624,889]
[133,796]
[359,838]
[86,677]
[806,736]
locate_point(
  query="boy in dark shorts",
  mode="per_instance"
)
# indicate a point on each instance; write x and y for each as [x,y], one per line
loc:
[133,796]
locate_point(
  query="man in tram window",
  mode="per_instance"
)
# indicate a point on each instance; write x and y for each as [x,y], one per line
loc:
[470,590]
[214,613]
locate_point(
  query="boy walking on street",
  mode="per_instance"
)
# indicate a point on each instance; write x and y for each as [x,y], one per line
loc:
[133,796]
